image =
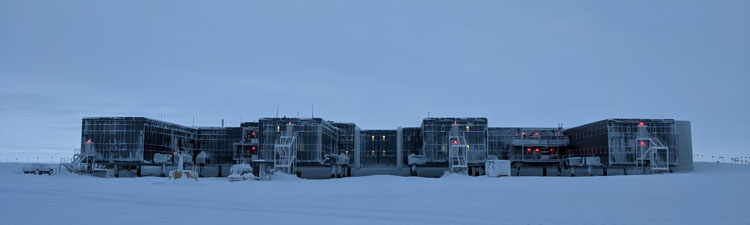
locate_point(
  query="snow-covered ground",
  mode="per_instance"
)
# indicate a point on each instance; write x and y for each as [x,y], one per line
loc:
[712,194]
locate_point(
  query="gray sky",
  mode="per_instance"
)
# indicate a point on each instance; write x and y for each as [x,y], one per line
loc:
[380,64]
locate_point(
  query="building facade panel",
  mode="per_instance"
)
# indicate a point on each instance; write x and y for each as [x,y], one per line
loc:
[378,148]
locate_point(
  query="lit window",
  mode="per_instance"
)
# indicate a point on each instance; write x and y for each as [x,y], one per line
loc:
[373,138]
[346,152]
[373,152]
[300,147]
[467,128]
[467,147]
[278,128]
[383,137]
[443,147]
[383,152]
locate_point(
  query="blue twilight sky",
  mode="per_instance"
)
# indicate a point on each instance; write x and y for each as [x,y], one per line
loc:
[380,64]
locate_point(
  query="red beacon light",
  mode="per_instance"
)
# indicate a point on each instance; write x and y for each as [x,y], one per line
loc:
[455,142]
[253,133]
[253,148]
[641,124]
[643,143]
[551,150]
[88,141]
[523,133]
[536,150]
[528,149]
[536,133]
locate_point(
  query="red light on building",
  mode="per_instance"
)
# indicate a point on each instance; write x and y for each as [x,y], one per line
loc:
[253,148]
[551,150]
[523,133]
[536,134]
[643,143]
[89,141]
[455,142]
[455,123]
[253,133]
[528,150]
[640,124]
[536,150]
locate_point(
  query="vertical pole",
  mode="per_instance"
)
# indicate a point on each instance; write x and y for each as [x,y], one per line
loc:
[357,140]
[399,147]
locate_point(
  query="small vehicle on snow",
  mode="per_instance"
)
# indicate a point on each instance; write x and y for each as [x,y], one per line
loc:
[38,169]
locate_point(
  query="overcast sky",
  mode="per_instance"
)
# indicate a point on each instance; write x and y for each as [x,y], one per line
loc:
[380,64]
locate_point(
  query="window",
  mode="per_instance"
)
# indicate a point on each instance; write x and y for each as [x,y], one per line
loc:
[373,152]
[467,147]
[346,152]
[373,138]
[443,147]
[467,128]
[278,128]
[383,137]
[383,152]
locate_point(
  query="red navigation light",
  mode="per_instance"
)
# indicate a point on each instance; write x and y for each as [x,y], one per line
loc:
[89,141]
[640,124]
[536,150]
[253,133]
[643,143]
[523,133]
[551,150]
[253,148]
[455,142]
[455,123]
[536,133]
[528,149]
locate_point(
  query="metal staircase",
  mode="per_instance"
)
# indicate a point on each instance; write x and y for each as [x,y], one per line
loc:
[82,161]
[457,151]
[651,150]
[285,151]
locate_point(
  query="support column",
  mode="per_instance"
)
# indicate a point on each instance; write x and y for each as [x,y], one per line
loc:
[356,147]
[399,147]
